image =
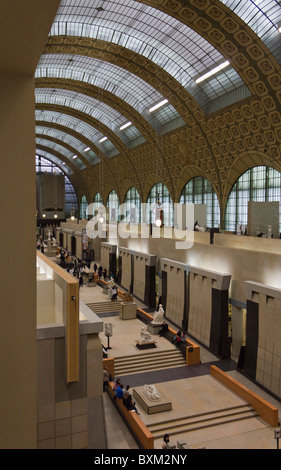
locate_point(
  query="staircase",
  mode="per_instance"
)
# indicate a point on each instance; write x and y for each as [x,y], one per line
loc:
[203,420]
[104,307]
[145,362]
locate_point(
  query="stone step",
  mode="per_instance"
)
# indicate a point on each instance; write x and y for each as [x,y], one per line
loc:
[147,362]
[147,367]
[203,420]
[102,307]
[149,356]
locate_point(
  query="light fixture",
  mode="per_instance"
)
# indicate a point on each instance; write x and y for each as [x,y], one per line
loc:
[44,215]
[101,219]
[103,139]
[55,214]
[158,220]
[74,156]
[158,105]
[87,149]
[212,72]
[125,126]
[279,29]
[72,214]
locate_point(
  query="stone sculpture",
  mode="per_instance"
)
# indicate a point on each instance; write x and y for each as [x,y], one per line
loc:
[151,392]
[158,317]
[145,337]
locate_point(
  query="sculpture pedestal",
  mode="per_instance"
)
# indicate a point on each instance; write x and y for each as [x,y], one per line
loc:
[128,311]
[151,406]
[146,345]
[154,329]
[105,290]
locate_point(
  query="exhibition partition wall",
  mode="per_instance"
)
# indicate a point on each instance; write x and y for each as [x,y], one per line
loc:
[126,268]
[174,290]
[262,361]
[144,278]
[208,309]
[108,258]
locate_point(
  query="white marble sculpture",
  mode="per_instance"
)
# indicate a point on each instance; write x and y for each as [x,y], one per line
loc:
[145,337]
[158,317]
[269,231]
[110,283]
[151,392]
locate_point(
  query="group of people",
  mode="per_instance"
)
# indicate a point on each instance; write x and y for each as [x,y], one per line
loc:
[179,338]
[124,395]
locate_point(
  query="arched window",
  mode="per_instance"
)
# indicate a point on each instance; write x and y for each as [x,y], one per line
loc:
[199,190]
[113,206]
[71,202]
[159,193]
[97,202]
[83,208]
[260,183]
[132,206]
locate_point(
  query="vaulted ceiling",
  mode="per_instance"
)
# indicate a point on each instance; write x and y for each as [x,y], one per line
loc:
[107,63]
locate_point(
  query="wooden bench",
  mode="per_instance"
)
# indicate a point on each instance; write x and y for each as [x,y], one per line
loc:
[140,432]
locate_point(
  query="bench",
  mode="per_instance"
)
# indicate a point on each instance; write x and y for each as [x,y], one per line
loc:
[140,432]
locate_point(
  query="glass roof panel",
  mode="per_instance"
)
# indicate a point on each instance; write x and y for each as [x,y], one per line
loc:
[68,139]
[61,149]
[77,125]
[63,166]
[263,17]
[86,104]
[164,40]
[127,86]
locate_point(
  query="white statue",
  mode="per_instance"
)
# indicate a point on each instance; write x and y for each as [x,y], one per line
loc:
[145,337]
[49,234]
[110,283]
[269,231]
[158,317]
[151,392]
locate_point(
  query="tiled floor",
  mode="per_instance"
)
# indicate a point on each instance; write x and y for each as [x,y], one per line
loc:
[191,390]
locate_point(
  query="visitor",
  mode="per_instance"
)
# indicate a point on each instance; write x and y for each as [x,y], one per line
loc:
[95,267]
[105,379]
[130,404]
[166,441]
[126,392]
[116,385]
[164,328]
[114,293]
[119,391]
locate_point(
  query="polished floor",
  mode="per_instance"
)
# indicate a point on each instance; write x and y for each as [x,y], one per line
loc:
[191,389]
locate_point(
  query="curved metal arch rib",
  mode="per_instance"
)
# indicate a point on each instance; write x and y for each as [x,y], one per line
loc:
[179,50]
[103,96]
[134,90]
[97,109]
[100,129]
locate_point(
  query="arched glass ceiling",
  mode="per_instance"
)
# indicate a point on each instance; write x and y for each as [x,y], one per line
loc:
[56,161]
[263,17]
[70,140]
[164,40]
[88,105]
[43,165]
[60,149]
[79,126]
[127,86]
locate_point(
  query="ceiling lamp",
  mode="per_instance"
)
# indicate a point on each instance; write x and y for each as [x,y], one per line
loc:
[212,72]
[125,126]
[103,139]
[158,219]
[158,105]
[87,149]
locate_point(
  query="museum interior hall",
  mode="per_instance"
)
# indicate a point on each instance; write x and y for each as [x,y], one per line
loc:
[140,192]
